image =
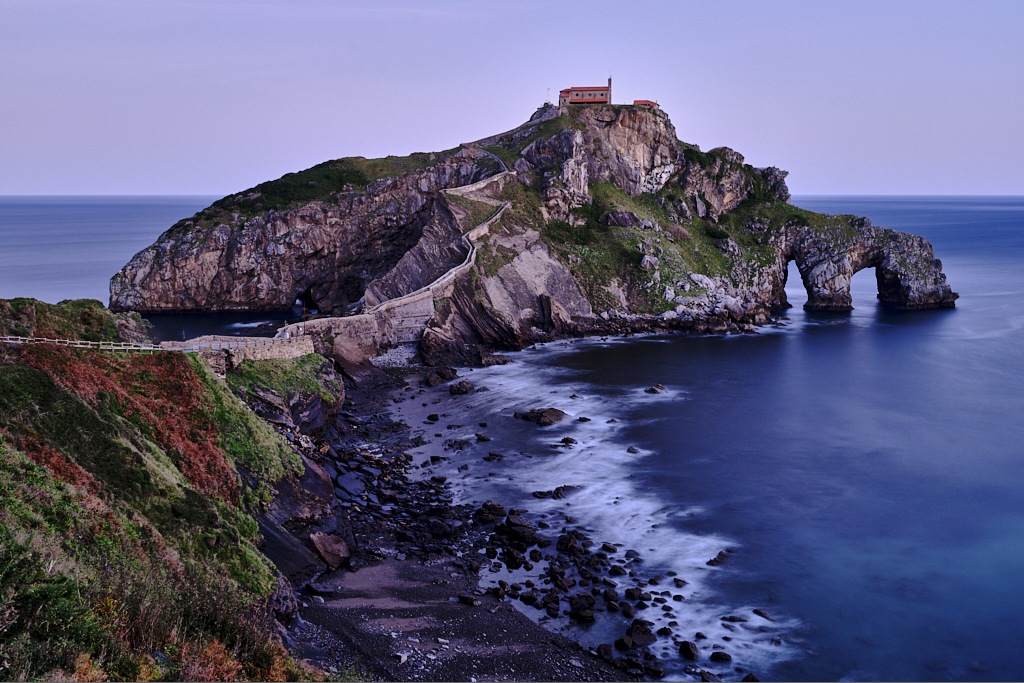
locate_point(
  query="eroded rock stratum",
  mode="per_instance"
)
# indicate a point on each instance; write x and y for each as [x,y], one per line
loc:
[609,218]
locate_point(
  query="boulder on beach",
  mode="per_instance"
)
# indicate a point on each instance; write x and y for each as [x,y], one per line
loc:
[440,376]
[332,548]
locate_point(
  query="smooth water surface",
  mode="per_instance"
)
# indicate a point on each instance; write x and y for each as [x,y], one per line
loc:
[56,248]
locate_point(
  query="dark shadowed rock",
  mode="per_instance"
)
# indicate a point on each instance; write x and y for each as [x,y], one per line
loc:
[639,631]
[460,388]
[543,417]
[440,375]
[688,650]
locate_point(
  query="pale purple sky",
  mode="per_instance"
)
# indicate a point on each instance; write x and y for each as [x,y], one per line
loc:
[214,96]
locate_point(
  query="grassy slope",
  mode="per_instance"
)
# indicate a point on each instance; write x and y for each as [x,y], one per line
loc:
[323,182]
[121,499]
[84,319]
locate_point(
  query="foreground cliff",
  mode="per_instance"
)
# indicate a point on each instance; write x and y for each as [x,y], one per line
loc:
[604,219]
[133,489]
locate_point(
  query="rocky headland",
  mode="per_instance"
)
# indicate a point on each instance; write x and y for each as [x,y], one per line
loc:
[584,220]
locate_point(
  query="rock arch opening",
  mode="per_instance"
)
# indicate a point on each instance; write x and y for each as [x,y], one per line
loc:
[907,275]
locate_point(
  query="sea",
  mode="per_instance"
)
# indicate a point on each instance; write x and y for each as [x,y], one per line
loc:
[861,474]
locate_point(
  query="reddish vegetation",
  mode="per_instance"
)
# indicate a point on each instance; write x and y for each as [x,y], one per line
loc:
[60,467]
[214,663]
[159,391]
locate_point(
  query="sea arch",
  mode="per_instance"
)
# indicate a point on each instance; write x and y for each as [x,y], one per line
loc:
[908,275]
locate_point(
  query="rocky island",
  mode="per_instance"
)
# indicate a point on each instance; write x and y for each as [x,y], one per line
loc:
[585,219]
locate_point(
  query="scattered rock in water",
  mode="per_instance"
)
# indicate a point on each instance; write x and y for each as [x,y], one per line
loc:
[688,650]
[543,418]
[633,449]
[624,643]
[656,389]
[482,437]
[583,419]
[750,678]
[460,388]
[720,657]
[640,633]
[581,607]
[763,614]
[717,560]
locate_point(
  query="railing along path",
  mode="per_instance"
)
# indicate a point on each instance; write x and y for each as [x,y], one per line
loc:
[184,346]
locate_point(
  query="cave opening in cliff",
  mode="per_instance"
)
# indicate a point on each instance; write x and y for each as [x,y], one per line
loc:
[307,300]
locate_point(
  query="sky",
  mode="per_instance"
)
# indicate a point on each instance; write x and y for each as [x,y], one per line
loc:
[211,97]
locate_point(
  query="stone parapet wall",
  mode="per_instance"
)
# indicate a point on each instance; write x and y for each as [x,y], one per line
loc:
[244,348]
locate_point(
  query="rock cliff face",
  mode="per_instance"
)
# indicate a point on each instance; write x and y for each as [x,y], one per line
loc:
[323,252]
[611,223]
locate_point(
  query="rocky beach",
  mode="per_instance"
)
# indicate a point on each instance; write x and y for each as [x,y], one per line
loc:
[432,583]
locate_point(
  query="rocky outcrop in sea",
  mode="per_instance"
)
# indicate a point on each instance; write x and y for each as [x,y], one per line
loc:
[610,224]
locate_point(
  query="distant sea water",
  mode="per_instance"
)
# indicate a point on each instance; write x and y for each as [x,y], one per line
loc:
[56,248]
[866,468]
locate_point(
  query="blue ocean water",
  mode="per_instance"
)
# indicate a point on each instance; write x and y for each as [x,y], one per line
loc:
[865,468]
[56,248]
